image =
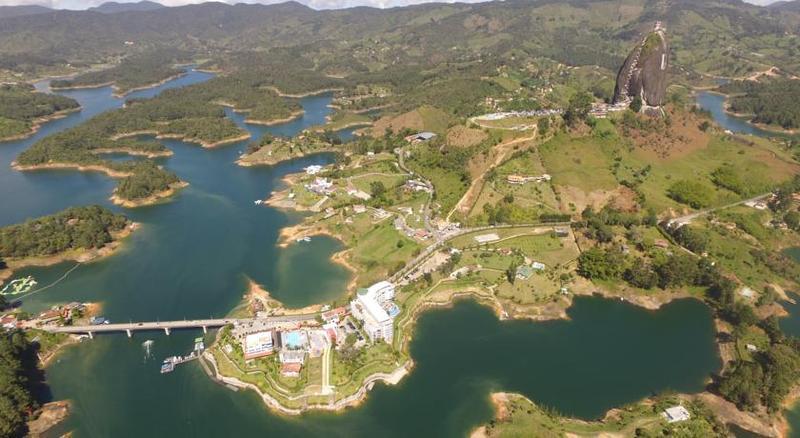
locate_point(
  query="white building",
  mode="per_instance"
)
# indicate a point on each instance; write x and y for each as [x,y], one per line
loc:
[368,307]
[381,292]
[676,414]
[257,345]
[292,356]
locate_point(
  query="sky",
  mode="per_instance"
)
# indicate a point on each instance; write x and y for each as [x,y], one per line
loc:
[316,4]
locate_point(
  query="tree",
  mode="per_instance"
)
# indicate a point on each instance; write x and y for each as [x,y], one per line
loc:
[543,125]
[377,189]
[636,104]
[792,220]
[511,272]
[691,238]
[641,275]
[742,385]
[600,264]
[578,108]
[676,271]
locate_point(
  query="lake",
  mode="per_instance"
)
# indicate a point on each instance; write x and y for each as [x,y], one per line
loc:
[193,256]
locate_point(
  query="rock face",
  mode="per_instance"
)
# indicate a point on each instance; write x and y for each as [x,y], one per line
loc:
[644,72]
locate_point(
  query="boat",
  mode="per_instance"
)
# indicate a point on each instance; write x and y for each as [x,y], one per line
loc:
[303,239]
[167,367]
[258,201]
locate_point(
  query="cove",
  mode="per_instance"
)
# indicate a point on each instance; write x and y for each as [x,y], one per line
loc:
[192,258]
[715,104]
[609,353]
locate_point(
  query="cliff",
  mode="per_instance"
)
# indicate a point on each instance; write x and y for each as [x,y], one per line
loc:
[644,72]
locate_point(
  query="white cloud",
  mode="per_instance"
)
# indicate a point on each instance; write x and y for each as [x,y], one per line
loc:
[316,4]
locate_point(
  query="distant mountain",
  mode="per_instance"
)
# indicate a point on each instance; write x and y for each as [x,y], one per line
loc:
[114,7]
[793,6]
[21,10]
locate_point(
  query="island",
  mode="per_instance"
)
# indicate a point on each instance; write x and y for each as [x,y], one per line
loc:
[77,233]
[23,110]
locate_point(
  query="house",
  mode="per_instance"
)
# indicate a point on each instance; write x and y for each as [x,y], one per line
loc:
[538,266]
[676,414]
[258,344]
[360,194]
[747,292]
[292,356]
[359,208]
[562,232]
[334,314]
[525,272]
[486,238]
[420,137]
[320,186]
[313,169]
[291,369]
[516,179]
[51,315]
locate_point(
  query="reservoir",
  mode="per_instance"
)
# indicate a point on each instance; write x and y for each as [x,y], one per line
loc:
[193,256]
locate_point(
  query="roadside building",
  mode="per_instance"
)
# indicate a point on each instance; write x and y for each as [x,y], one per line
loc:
[258,344]
[334,315]
[676,414]
[368,307]
[292,356]
[486,238]
[291,369]
[420,137]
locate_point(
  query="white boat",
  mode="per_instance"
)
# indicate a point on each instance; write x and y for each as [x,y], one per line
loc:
[258,202]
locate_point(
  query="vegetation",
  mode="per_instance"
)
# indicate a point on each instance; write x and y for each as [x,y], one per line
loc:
[139,70]
[18,376]
[21,106]
[74,228]
[773,102]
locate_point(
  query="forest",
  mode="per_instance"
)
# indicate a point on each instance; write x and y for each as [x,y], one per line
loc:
[773,102]
[19,373]
[76,227]
[21,105]
[136,71]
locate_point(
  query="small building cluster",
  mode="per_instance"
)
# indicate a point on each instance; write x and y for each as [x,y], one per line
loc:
[64,313]
[520,179]
[320,186]
[375,308]
[420,137]
[525,272]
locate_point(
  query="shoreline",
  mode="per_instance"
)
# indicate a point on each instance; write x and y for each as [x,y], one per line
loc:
[133,152]
[747,118]
[81,255]
[70,166]
[38,122]
[302,95]
[182,137]
[150,200]
[262,122]
[117,92]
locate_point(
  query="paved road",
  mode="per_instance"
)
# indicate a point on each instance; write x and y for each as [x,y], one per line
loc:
[690,217]
[169,325]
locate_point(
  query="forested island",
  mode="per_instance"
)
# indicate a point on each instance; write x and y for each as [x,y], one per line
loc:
[771,102]
[138,71]
[22,109]
[75,233]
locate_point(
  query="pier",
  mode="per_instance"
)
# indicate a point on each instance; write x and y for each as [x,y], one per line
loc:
[168,326]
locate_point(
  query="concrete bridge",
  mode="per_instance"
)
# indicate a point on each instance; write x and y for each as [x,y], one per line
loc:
[167,326]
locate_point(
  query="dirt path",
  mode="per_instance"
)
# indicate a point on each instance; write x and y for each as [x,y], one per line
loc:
[503,150]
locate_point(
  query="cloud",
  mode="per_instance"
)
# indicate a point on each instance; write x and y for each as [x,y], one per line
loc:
[316,4]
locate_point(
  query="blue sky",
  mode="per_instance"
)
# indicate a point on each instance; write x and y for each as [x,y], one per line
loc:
[317,4]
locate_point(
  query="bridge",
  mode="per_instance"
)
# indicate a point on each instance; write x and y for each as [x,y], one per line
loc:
[168,326]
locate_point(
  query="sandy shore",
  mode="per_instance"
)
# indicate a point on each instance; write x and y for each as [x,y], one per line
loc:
[302,95]
[181,137]
[133,152]
[150,200]
[48,416]
[294,115]
[79,167]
